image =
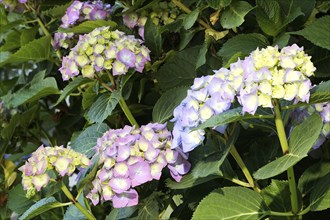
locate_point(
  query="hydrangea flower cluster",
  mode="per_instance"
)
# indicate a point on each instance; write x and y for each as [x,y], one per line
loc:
[62,160]
[130,157]
[302,113]
[78,12]
[165,13]
[103,49]
[264,75]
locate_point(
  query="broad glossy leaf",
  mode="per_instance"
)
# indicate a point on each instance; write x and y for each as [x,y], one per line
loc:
[165,105]
[17,201]
[243,44]
[299,146]
[268,14]
[233,15]
[12,41]
[87,139]
[57,11]
[190,19]
[40,207]
[179,70]
[320,93]
[71,87]
[153,37]
[320,194]
[148,208]
[38,88]
[88,26]
[276,196]
[201,59]
[317,32]
[231,203]
[103,107]
[28,35]
[36,50]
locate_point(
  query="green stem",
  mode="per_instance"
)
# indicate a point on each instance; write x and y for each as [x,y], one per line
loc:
[285,148]
[238,182]
[76,203]
[245,170]
[187,10]
[46,32]
[127,112]
[284,214]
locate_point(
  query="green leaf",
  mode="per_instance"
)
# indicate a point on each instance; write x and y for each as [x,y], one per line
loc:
[242,43]
[276,196]
[299,146]
[201,59]
[218,4]
[148,208]
[233,16]
[231,203]
[71,87]
[36,50]
[12,41]
[17,201]
[268,14]
[153,37]
[87,139]
[306,7]
[227,117]
[89,96]
[321,60]
[179,70]
[41,206]
[320,93]
[309,178]
[57,11]
[103,107]
[186,36]
[10,26]
[190,19]
[121,213]
[320,195]
[88,26]
[282,40]
[35,90]
[28,35]
[165,105]
[318,32]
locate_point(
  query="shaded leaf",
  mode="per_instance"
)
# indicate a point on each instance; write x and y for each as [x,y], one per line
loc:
[233,16]
[317,32]
[71,87]
[58,11]
[276,196]
[103,107]
[243,44]
[165,105]
[179,70]
[153,37]
[17,201]
[36,50]
[268,14]
[320,195]
[218,4]
[190,19]
[299,146]
[41,206]
[86,140]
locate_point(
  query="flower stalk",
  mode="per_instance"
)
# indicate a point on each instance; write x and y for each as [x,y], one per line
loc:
[76,203]
[285,149]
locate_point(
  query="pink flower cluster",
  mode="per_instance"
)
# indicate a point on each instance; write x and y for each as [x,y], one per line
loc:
[76,13]
[103,49]
[62,160]
[130,157]
[264,75]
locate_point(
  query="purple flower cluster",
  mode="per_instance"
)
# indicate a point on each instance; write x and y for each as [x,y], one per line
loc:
[264,75]
[80,11]
[62,160]
[76,13]
[132,20]
[130,157]
[103,49]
